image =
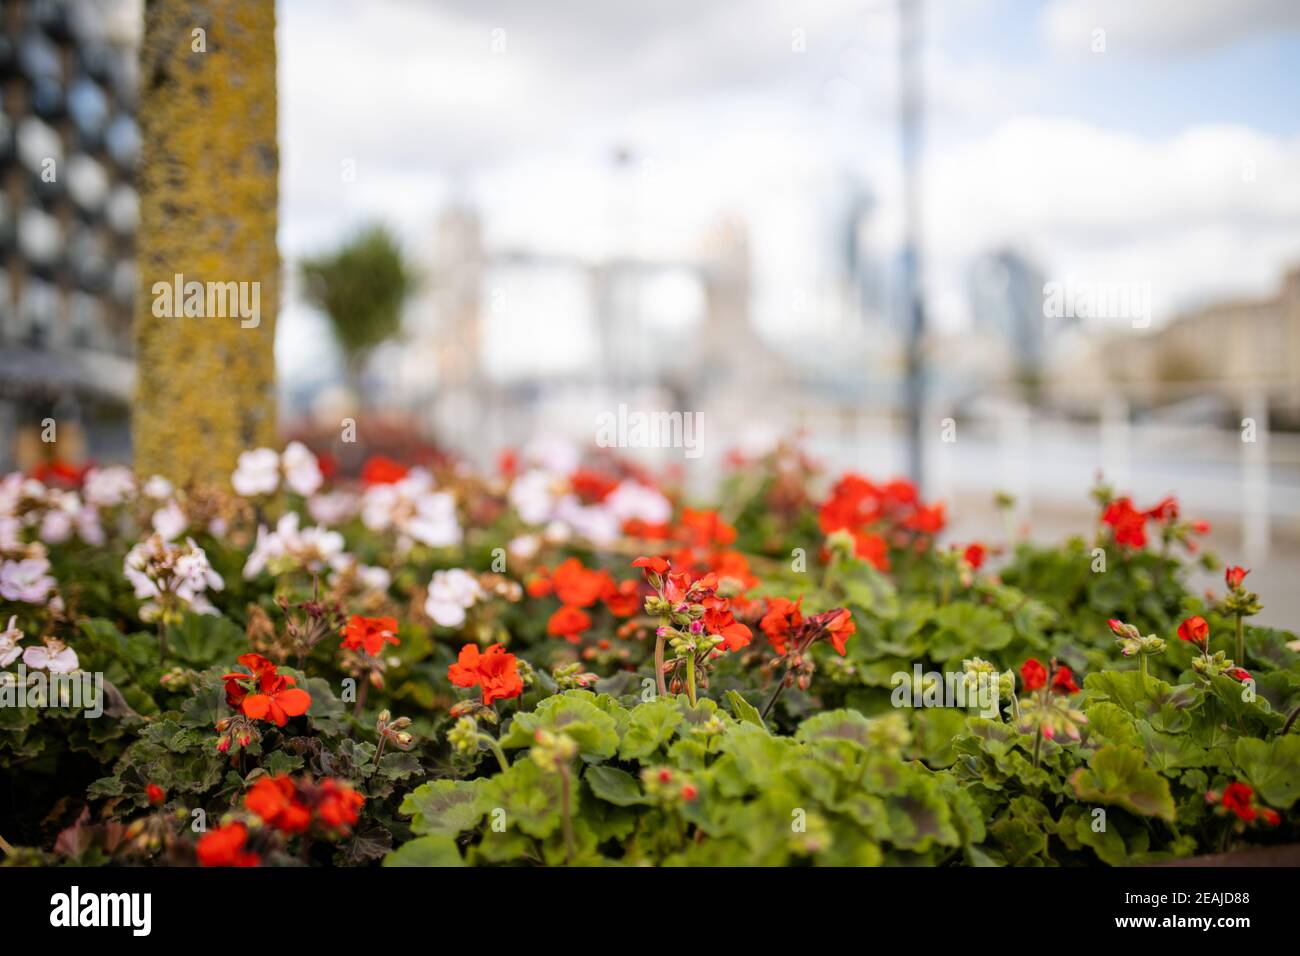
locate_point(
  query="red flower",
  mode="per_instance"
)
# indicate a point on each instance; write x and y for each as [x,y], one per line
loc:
[689,792]
[592,486]
[871,547]
[1063,681]
[1238,798]
[568,623]
[1117,626]
[338,806]
[719,620]
[975,554]
[494,670]
[1271,817]
[1128,523]
[781,619]
[578,586]
[276,801]
[1234,576]
[155,793]
[370,634]
[224,846]
[839,627]
[379,470]
[265,694]
[652,565]
[1194,629]
[1033,675]
[703,529]
[927,519]
[622,599]
[1240,674]
[1165,510]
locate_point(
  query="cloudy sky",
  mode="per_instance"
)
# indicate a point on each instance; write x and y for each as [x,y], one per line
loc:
[1170,157]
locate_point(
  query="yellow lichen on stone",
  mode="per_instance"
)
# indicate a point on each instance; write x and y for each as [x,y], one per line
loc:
[205,387]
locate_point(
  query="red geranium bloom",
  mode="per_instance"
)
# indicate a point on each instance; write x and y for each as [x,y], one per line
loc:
[155,793]
[719,620]
[871,548]
[1128,523]
[592,486]
[1063,681]
[975,554]
[265,694]
[569,623]
[1165,510]
[338,805]
[59,472]
[224,846]
[1033,674]
[1194,629]
[370,634]
[494,670]
[1234,576]
[276,801]
[927,519]
[622,599]
[1239,798]
[839,627]
[652,565]
[705,529]
[733,565]
[379,470]
[577,586]
[1271,817]
[1240,674]
[782,617]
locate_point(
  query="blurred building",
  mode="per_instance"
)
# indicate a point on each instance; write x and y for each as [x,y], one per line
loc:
[68,212]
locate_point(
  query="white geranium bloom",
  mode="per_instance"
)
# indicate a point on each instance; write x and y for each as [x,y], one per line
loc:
[632,500]
[434,522]
[525,546]
[450,594]
[532,495]
[301,469]
[56,526]
[592,522]
[333,508]
[156,567]
[27,580]
[108,487]
[10,638]
[312,548]
[257,473]
[170,521]
[158,488]
[554,454]
[55,657]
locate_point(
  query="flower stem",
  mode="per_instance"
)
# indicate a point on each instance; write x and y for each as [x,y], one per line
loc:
[1241,641]
[690,676]
[659,666]
[1142,667]
[360,705]
[1291,718]
[1038,745]
[496,750]
[5,846]
[771,701]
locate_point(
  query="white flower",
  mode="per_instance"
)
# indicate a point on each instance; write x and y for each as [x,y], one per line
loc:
[532,495]
[108,487]
[332,508]
[258,472]
[450,593]
[169,521]
[287,546]
[593,522]
[10,638]
[434,522]
[301,469]
[632,500]
[56,526]
[525,546]
[55,657]
[88,527]
[556,455]
[156,567]
[158,488]
[27,580]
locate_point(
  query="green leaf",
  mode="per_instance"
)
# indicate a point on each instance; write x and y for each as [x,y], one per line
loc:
[1272,767]
[614,786]
[837,725]
[572,713]
[1118,776]
[432,850]
[650,726]
[742,709]
[445,807]
[530,798]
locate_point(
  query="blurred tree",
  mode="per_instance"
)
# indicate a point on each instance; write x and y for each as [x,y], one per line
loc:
[360,287]
[205,387]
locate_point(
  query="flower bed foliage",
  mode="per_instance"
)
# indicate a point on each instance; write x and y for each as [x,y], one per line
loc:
[564,662]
